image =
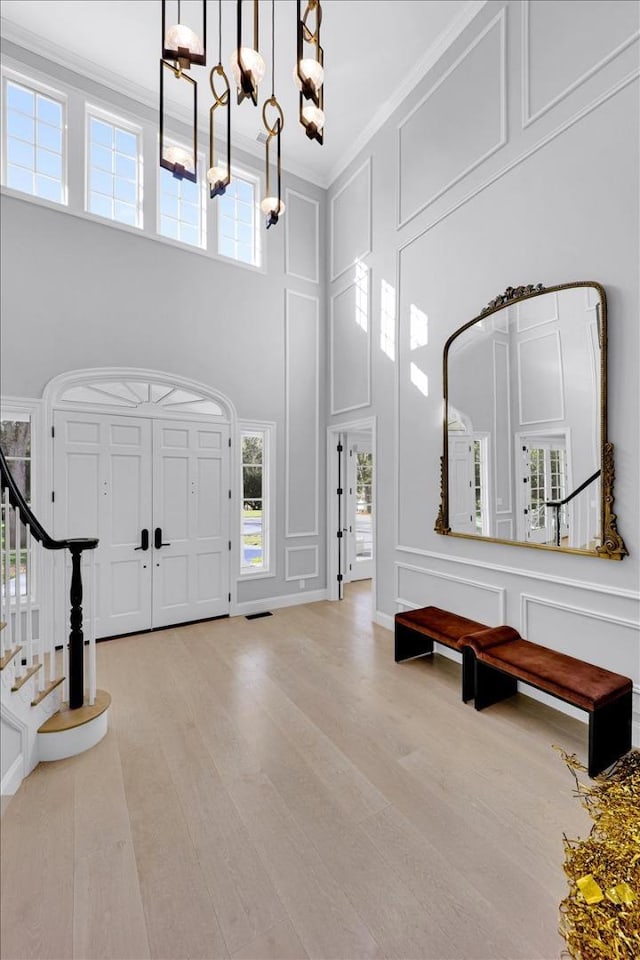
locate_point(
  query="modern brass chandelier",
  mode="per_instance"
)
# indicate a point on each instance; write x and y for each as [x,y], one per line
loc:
[184,45]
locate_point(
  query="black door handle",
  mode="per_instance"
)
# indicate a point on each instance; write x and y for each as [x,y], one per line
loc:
[157,539]
[144,541]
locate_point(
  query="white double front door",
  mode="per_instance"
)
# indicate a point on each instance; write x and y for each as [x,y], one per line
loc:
[157,494]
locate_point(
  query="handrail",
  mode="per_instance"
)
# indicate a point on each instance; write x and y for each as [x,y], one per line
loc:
[75,546]
[36,529]
[557,504]
[561,503]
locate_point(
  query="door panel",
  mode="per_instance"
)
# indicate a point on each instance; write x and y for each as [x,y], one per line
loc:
[461,492]
[102,466]
[191,506]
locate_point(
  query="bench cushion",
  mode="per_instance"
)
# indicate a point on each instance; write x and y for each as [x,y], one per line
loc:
[493,637]
[440,625]
[575,681]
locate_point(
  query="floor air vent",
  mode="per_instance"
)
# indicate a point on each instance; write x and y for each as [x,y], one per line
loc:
[256,616]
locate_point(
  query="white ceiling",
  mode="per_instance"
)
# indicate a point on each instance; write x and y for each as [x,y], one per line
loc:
[374,53]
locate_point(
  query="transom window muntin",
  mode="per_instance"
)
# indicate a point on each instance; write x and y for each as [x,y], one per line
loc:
[114,161]
[238,236]
[34,141]
[181,208]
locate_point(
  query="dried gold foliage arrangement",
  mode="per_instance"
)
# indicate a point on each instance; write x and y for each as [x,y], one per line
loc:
[600,919]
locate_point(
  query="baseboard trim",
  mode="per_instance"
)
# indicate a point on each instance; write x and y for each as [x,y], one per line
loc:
[13,777]
[384,620]
[273,603]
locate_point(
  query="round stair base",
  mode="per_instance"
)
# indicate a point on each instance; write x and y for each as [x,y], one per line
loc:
[70,732]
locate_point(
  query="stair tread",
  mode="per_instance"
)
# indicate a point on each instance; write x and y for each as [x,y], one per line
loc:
[8,657]
[66,719]
[17,684]
[47,690]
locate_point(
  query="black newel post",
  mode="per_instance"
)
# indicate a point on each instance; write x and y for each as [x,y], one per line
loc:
[76,636]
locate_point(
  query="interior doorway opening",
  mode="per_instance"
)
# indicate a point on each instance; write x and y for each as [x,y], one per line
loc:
[351,521]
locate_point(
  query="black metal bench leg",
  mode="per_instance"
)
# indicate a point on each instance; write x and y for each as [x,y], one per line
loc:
[609,733]
[410,644]
[468,674]
[492,685]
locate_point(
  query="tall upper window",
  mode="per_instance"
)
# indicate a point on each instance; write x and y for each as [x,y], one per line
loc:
[113,170]
[180,209]
[34,142]
[237,234]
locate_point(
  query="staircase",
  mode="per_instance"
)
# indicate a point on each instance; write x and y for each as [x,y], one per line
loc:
[49,705]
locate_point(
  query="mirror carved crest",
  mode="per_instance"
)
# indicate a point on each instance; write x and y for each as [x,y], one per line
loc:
[526,457]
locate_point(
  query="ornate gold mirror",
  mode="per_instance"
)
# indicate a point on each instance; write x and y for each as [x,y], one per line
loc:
[526,457]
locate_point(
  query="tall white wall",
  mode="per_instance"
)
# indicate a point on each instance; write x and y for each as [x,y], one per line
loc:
[514,161]
[79,293]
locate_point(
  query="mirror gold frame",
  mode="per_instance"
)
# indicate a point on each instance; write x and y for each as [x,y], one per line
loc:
[611,546]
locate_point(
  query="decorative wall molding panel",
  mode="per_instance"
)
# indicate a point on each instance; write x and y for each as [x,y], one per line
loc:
[536,354]
[589,586]
[301,563]
[350,344]
[604,639]
[302,237]
[302,411]
[462,595]
[476,83]
[350,231]
[543,142]
[592,34]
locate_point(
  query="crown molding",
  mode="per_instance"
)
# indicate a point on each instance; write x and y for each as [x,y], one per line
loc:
[422,67]
[36,45]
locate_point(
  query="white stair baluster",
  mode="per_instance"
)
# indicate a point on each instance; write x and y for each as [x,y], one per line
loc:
[18,594]
[7,564]
[28,611]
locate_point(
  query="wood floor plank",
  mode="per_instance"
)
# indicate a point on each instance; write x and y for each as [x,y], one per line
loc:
[279,943]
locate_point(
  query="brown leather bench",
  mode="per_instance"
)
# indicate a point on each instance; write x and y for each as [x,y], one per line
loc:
[416,631]
[497,658]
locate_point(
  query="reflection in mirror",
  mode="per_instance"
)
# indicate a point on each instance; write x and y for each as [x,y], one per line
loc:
[525,427]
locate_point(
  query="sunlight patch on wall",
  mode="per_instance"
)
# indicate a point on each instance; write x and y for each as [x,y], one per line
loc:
[388,319]
[418,328]
[420,379]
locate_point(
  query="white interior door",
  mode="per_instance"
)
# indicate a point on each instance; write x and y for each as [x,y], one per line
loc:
[461,485]
[102,471]
[115,477]
[359,502]
[191,521]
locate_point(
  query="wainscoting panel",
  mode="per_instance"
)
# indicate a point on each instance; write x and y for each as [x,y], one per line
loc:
[421,587]
[502,429]
[350,345]
[350,232]
[606,640]
[301,563]
[301,414]
[456,126]
[540,362]
[565,43]
[302,240]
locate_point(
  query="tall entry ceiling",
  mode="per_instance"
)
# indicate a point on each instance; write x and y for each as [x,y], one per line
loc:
[374,51]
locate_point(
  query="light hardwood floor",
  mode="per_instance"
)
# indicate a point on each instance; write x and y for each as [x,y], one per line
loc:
[279,788]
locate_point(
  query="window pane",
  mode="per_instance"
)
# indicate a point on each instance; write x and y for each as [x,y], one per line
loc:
[20,126]
[227,227]
[170,206]
[190,214]
[125,167]
[49,111]
[252,449]
[252,477]
[125,213]
[168,183]
[126,143]
[101,182]
[245,252]
[190,234]
[244,190]
[15,438]
[48,189]
[101,133]
[49,137]
[101,157]
[190,191]
[101,205]
[252,553]
[226,247]
[125,190]
[19,179]
[49,164]
[245,213]
[20,153]
[169,227]
[19,98]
